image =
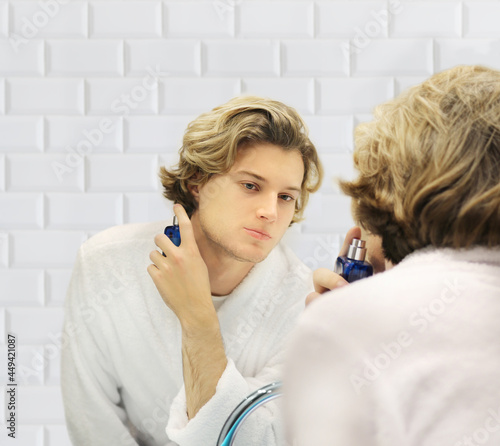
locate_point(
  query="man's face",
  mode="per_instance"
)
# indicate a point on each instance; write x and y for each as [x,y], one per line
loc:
[244,213]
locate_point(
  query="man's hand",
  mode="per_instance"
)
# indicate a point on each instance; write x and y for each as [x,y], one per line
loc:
[325,279]
[182,276]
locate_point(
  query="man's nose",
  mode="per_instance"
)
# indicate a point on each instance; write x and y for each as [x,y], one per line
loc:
[268,208]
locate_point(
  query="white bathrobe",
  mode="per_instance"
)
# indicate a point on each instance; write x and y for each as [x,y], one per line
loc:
[409,357]
[121,361]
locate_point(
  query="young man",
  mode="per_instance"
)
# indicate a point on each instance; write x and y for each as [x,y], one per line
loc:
[412,356]
[160,353]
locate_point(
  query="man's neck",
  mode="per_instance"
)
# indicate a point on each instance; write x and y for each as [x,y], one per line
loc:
[225,272]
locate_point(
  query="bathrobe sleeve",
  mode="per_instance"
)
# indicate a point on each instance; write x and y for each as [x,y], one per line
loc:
[261,428]
[94,415]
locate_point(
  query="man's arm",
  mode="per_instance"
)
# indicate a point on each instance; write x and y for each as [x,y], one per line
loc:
[203,356]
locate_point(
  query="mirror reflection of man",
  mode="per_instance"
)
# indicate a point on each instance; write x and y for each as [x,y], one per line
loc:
[165,371]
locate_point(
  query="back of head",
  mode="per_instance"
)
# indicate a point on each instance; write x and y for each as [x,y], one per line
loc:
[212,140]
[429,165]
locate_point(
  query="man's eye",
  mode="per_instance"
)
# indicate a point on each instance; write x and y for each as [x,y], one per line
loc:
[250,186]
[287,197]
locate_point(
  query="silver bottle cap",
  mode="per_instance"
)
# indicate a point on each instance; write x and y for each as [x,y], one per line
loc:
[357,250]
[175,221]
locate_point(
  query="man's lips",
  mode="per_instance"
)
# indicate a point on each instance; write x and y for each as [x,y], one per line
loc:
[258,234]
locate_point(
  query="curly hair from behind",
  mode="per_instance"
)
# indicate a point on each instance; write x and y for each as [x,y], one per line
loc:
[429,165]
[211,143]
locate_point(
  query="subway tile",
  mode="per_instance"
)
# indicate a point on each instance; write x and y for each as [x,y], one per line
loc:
[403,83]
[298,93]
[336,166]
[331,133]
[147,207]
[481,19]
[314,58]
[241,58]
[45,249]
[56,435]
[2,172]
[280,19]
[341,96]
[21,210]
[20,322]
[452,52]
[330,213]
[395,57]
[3,339]
[427,19]
[125,19]
[84,58]
[357,20]
[42,404]
[83,211]
[172,58]
[87,134]
[57,281]
[21,133]
[27,435]
[2,96]
[29,364]
[199,19]
[67,21]
[124,173]
[48,173]
[187,96]
[53,364]
[121,97]
[4,251]
[45,96]
[28,61]
[154,133]
[4,19]
[21,287]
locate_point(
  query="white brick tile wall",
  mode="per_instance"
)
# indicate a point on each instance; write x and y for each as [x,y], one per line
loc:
[298,93]
[29,364]
[125,19]
[192,97]
[131,172]
[143,207]
[95,95]
[56,284]
[44,249]
[21,288]
[44,96]
[66,21]
[26,62]
[481,19]
[280,19]
[87,211]
[339,96]
[318,58]
[427,19]
[176,58]
[35,172]
[193,18]
[34,325]
[91,134]
[395,57]
[42,404]
[84,58]
[120,97]
[21,133]
[154,133]
[451,52]
[241,58]
[352,19]
[21,211]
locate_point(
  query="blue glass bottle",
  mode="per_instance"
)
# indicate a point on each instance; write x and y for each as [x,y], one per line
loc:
[353,266]
[173,232]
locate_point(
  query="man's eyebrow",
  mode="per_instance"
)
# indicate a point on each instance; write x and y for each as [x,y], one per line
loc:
[262,179]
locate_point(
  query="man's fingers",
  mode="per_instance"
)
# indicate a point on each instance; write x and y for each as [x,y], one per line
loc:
[185,227]
[354,232]
[326,280]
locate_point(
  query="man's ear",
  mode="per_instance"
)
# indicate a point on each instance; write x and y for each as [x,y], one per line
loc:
[195,191]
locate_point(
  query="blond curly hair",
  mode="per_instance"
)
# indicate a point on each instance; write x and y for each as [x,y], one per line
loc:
[211,142]
[429,165]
